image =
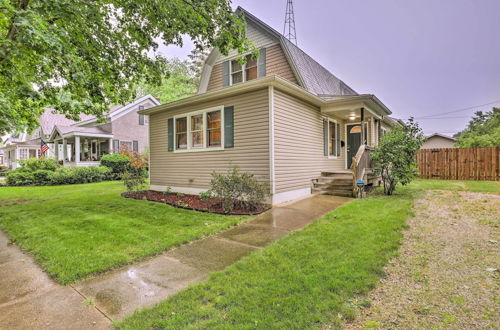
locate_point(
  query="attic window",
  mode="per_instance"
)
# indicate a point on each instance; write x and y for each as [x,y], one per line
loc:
[236,72]
[244,72]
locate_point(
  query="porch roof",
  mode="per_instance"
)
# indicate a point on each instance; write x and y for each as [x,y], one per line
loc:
[70,131]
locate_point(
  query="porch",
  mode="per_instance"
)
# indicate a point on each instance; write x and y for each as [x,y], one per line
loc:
[79,147]
[361,119]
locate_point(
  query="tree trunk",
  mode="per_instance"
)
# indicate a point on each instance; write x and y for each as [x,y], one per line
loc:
[11,34]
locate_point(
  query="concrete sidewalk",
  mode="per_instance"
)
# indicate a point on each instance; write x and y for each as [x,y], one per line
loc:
[31,300]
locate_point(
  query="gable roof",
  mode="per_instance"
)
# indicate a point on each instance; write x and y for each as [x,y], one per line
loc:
[311,75]
[440,135]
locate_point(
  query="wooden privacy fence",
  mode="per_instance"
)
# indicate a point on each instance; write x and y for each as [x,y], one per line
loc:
[459,163]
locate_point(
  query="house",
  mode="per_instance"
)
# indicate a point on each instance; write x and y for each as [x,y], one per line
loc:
[437,140]
[283,117]
[83,142]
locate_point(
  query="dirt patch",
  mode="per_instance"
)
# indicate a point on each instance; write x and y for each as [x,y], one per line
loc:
[10,202]
[193,202]
[446,276]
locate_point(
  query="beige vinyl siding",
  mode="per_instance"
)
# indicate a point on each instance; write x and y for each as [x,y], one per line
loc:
[194,169]
[298,144]
[259,37]
[277,64]
[216,80]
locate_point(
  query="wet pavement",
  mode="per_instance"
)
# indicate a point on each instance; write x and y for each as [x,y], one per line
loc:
[29,299]
[34,301]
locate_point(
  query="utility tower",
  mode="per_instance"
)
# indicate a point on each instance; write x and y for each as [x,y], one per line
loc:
[289,28]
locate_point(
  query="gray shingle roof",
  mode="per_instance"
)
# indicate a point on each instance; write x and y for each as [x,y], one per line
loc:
[314,77]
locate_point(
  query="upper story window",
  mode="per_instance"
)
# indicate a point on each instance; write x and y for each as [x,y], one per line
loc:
[253,68]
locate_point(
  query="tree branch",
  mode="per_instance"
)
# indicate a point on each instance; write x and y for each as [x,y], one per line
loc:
[11,34]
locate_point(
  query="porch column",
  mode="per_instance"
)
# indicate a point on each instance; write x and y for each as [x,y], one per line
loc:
[363,126]
[77,149]
[56,149]
[111,146]
[65,151]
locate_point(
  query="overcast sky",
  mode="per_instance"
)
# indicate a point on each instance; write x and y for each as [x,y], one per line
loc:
[420,57]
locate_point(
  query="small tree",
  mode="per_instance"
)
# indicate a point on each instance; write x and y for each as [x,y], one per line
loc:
[134,175]
[394,157]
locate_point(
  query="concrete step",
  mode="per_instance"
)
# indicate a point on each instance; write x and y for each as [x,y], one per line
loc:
[328,179]
[333,192]
[333,185]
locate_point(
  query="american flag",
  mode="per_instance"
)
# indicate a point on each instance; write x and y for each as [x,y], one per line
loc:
[43,148]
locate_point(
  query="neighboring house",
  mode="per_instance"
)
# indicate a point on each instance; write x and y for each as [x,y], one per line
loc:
[83,142]
[437,140]
[283,117]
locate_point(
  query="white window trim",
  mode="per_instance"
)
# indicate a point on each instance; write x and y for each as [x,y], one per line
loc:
[243,69]
[329,141]
[205,141]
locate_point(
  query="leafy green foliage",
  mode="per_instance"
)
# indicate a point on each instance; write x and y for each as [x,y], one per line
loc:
[74,231]
[24,176]
[394,157]
[118,163]
[238,186]
[82,56]
[204,195]
[482,131]
[180,82]
[133,181]
[34,164]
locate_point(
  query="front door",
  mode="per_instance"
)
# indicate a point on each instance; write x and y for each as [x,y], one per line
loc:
[353,141]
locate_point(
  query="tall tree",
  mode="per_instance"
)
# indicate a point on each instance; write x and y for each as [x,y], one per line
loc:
[483,130]
[198,57]
[82,56]
[179,83]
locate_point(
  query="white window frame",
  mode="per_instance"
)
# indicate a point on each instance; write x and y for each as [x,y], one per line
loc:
[243,69]
[336,138]
[205,147]
[27,153]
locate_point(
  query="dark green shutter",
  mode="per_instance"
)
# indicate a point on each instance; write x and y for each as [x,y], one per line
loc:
[228,127]
[170,132]
[135,146]
[262,63]
[337,138]
[325,137]
[225,73]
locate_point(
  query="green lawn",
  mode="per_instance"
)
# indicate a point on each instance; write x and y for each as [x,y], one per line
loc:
[309,279]
[74,231]
[472,186]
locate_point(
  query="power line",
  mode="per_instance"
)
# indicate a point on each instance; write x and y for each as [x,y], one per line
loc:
[458,110]
[452,117]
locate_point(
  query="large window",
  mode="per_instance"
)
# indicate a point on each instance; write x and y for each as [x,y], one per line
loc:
[181,133]
[214,128]
[243,72]
[197,131]
[204,131]
[23,153]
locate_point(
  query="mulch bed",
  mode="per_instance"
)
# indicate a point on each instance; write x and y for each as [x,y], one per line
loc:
[193,202]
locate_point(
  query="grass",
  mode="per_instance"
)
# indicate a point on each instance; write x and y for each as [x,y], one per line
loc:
[75,231]
[309,279]
[455,185]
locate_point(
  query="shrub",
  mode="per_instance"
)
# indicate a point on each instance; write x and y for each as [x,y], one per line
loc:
[238,186]
[63,175]
[42,177]
[19,177]
[132,181]
[205,195]
[118,163]
[34,164]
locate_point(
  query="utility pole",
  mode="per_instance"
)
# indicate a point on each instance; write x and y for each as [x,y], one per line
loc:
[289,28]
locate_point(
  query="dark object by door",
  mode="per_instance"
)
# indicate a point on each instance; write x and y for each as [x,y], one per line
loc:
[353,142]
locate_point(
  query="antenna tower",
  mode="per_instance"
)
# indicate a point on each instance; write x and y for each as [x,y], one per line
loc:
[289,28]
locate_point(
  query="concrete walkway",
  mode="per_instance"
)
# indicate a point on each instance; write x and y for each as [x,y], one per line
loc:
[38,302]
[29,299]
